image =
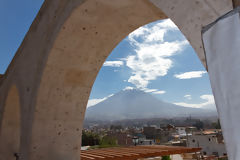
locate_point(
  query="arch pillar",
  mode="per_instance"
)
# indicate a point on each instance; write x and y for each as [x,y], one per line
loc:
[10,126]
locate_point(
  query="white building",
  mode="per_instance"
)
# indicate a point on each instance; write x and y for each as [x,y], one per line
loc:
[181,131]
[209,144]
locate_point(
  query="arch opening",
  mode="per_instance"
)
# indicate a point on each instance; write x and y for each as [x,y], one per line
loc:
[148,54]
[106,117]
[10,131]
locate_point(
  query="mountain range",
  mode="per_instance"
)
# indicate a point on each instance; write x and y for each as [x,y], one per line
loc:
[135,104]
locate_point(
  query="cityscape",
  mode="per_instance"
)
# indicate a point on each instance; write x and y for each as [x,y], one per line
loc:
[190,132]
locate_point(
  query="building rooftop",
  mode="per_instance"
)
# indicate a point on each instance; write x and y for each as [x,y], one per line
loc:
[133,153]
[208,132]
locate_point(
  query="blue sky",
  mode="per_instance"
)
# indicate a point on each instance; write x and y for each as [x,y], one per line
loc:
[16,17]
[155,58]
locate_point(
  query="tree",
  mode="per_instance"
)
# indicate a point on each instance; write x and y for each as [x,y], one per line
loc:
[90,139]
[216,125]
[199,124]
[166,158]
[116,127]
[108,141]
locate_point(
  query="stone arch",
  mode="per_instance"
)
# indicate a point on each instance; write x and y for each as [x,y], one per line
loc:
[63,51]
[81,47]
[10,126]
[83,43]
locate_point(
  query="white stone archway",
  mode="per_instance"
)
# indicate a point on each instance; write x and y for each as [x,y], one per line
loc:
[59,59]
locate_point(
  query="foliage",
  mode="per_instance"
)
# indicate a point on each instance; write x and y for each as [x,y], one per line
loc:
[216,125]
[224,158]
[90,139]
[107,141]
[199,124]
[95,141]
[166,158]
[116,127]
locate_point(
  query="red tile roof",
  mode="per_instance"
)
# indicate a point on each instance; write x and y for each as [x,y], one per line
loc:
[132,153]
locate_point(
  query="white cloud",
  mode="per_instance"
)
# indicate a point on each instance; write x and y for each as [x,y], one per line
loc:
[152,58]
[188,96]
[159,92]
[113,63]
[208,104]
[92,102]
[154,33]
[128,88]
[153,91]
[189,75]
[149,90]
[138,32]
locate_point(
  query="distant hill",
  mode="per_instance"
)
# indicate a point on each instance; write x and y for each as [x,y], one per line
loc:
[135,104]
